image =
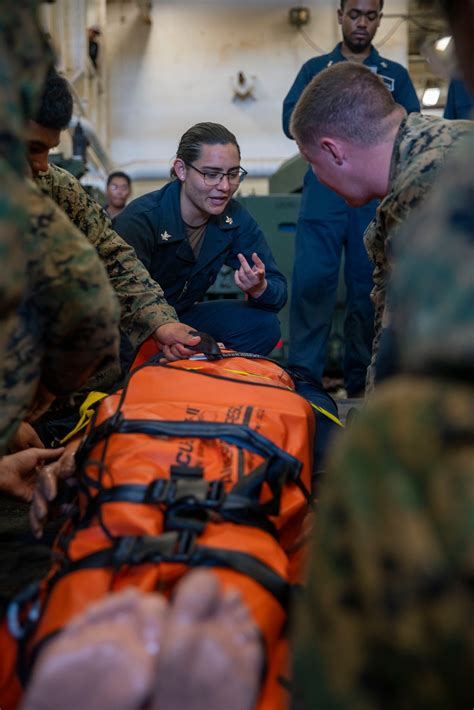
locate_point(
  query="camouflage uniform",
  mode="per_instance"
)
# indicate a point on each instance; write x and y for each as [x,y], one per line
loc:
[24,61]
[142,302]
[68,322]
[13,224]
[387,618]
[444,230]
[23,65]
[421,147]
[66,325]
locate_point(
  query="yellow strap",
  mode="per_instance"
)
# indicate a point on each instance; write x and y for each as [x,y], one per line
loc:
[239,372]
[327,414]
[86,411]
[235,372]
[247,374]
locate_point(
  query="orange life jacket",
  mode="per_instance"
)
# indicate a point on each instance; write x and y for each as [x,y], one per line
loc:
[194,463]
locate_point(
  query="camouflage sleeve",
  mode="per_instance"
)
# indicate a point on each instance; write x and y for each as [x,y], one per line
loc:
[428,146]
[380,236]
[70,289]
[22,358]
[384,621]
[432,290]
[25,57]
[377,243]
[13,226]
[143,305]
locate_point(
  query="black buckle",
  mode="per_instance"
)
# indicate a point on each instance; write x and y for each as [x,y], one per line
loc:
[193,501]
[185,546]
[181,492]
[200,494]
[182,471]
[216,494]
[173,546]
[124,550]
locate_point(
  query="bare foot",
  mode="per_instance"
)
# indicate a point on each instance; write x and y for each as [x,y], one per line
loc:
[211,655]
[104,659]
[201,652]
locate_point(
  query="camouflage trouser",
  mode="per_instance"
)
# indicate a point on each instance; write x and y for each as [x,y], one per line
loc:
[389,594]
[22,373]
[13,225]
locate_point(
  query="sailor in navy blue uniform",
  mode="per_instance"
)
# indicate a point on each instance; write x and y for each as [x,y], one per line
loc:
[326,224]
[186,231]
[459,102]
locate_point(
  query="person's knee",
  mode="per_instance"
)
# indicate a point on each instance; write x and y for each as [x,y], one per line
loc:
[263,332]
[272,331]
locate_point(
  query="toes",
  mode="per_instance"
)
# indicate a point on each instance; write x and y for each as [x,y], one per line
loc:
[235,614]
[197,596]
[150,620]
[108,608]
[234,609]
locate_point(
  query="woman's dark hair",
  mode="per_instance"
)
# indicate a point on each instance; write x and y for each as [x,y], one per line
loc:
[191,142]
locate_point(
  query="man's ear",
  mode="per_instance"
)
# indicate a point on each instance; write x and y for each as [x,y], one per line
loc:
[333,150]
[179,168]
[339,15]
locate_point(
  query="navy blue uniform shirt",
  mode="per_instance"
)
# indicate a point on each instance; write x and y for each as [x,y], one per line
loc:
[394,76]
[153,226]
[459,103]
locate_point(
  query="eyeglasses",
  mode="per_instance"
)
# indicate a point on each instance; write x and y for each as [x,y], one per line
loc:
[215,177]
[372,15]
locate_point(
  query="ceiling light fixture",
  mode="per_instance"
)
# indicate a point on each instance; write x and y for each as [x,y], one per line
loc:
[431,96]
[443,43]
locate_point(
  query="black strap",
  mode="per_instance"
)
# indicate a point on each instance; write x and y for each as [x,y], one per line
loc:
[208,494]
[186,499]
[180,547]
[236,434]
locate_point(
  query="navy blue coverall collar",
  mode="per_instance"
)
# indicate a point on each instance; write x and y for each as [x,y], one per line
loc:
[218,233]
[374,58]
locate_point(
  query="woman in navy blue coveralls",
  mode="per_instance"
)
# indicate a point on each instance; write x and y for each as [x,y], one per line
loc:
[186,231]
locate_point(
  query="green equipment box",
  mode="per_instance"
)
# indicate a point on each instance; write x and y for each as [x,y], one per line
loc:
[277,216]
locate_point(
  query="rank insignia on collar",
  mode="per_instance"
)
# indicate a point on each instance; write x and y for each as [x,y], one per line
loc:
[165,236]
[330,63]
[384,64]
[229,220]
